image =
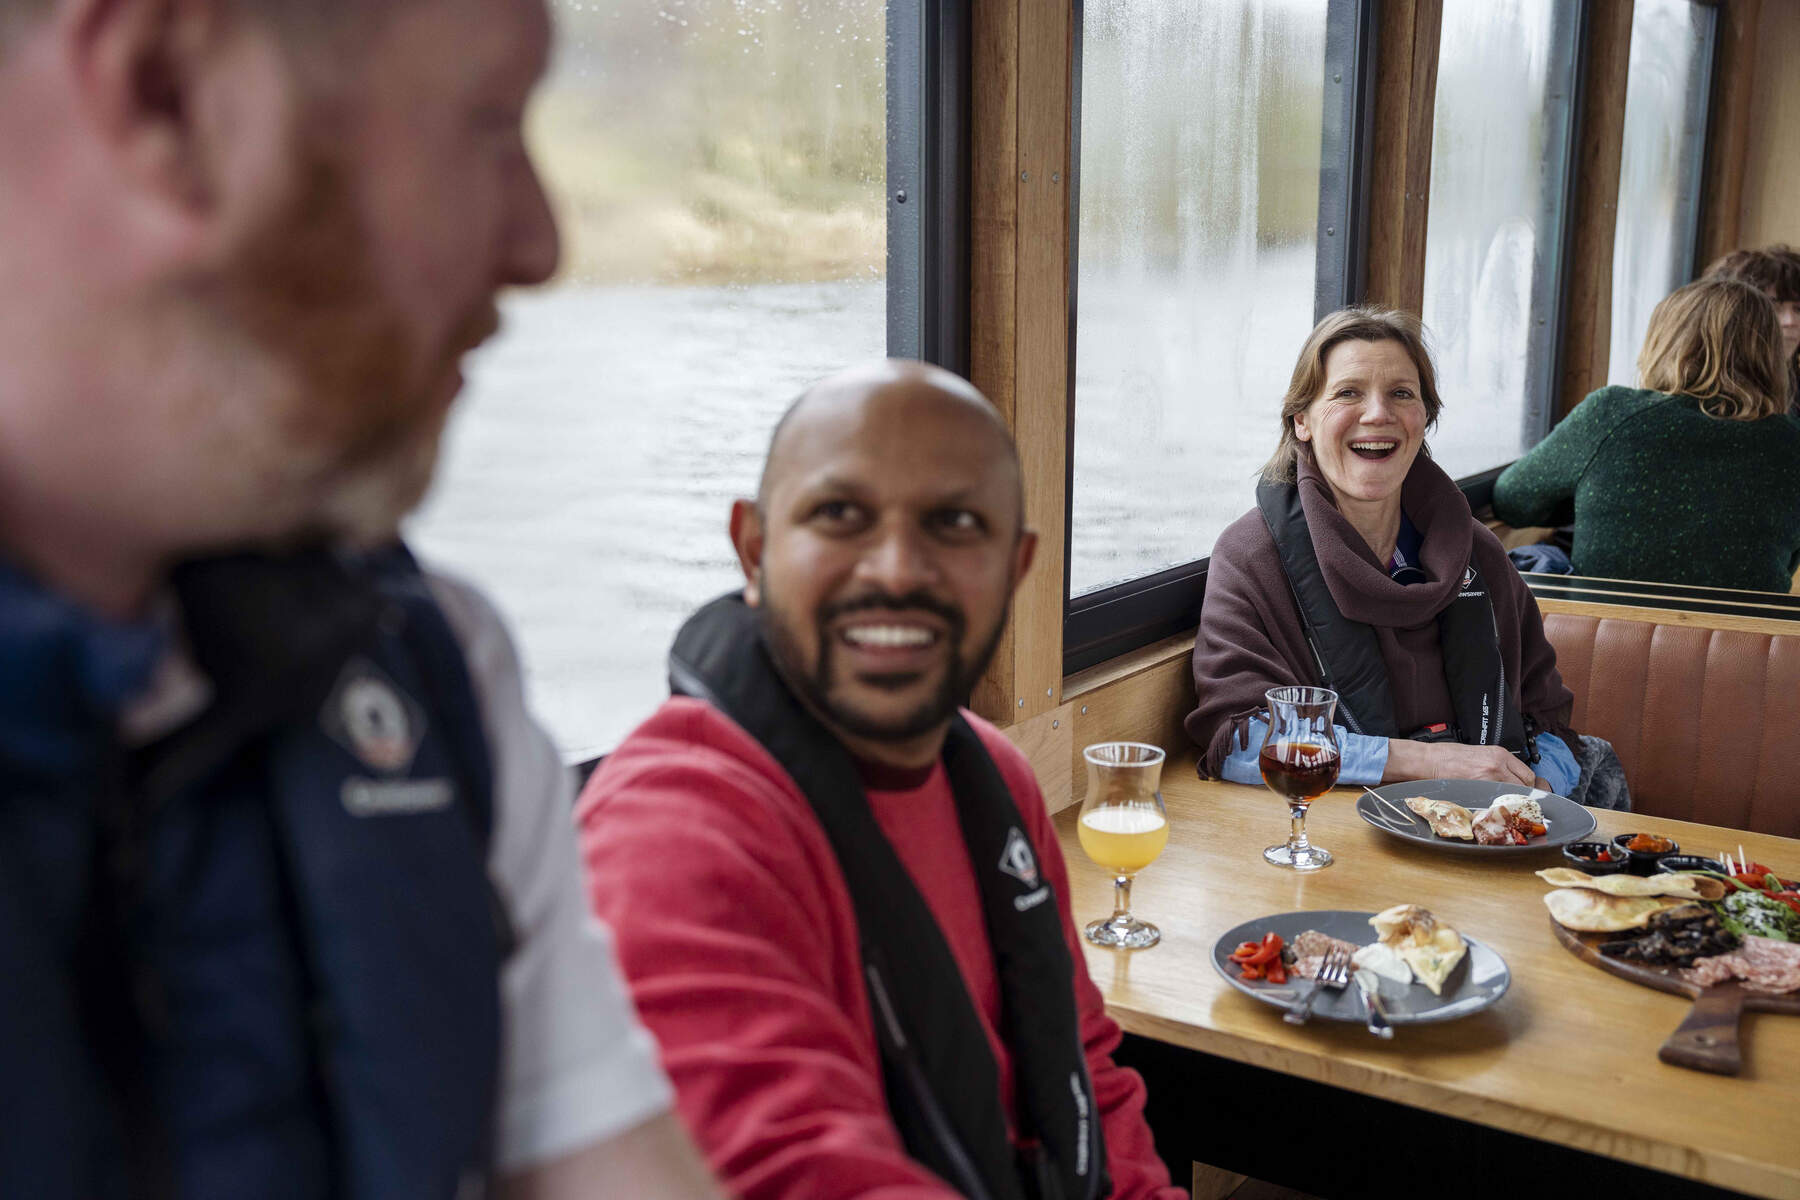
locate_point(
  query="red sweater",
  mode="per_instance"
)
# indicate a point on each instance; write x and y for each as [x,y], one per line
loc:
[736,932]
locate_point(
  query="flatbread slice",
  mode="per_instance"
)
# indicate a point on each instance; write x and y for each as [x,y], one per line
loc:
[1588,911]
[1447,820]
[1691,887]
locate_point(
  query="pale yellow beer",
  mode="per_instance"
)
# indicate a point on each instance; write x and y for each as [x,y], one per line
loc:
[1124,840]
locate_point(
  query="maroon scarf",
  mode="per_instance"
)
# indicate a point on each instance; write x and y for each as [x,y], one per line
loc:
[1251,637]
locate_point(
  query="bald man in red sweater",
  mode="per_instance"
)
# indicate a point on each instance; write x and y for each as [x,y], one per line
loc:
[837,895]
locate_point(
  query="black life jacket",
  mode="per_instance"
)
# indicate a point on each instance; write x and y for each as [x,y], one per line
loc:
[942,1083]
[280,978]
[1349,654]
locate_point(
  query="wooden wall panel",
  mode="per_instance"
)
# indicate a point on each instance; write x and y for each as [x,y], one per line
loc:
[1141,697]
[1771,187]
[1041,402]
[1728,124]
[1048,740]
[1587,333]
[1400,169]
[1019,309]
[993,255]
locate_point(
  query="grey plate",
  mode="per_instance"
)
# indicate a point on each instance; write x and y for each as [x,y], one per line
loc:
[1567,820]
[1479,980]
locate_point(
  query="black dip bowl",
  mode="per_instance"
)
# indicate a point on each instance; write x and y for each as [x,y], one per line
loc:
[1643,862]
[1580,856]
[1689,862]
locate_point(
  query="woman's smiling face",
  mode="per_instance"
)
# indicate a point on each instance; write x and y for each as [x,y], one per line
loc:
[1367,425]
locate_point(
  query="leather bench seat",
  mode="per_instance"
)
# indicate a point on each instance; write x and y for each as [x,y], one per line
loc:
[1705,721]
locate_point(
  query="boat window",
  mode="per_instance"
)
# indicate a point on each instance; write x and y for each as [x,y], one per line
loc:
[719,172]
[1197,257]
[1500,157]
[1660,167]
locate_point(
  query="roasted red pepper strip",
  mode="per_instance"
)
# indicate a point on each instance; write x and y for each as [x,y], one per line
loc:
[1251,971]
[1271,948]
[1245,950]
[1277,972]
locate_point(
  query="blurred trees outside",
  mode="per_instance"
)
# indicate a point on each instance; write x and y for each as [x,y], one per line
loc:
[717,141]
[744,141]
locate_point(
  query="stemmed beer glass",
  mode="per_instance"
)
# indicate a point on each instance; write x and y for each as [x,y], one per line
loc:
[1299,761]
[1123,827]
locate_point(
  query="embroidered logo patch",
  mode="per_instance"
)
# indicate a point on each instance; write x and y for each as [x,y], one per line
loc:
[1017,859]
[373,719]
[396,797]
[1468,577]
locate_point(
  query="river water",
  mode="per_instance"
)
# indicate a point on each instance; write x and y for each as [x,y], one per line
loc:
[591,464]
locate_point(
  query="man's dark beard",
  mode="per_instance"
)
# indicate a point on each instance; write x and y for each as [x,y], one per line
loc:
[815,689]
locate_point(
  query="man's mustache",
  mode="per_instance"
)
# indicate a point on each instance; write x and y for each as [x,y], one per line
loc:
[914,601]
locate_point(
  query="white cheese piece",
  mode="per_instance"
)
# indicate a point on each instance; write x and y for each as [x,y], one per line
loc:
[1383,960]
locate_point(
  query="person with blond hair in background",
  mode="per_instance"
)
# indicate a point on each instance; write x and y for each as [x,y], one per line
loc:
[1695,476]
[1775,272]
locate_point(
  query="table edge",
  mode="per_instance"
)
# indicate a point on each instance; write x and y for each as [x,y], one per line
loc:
[1693,1162]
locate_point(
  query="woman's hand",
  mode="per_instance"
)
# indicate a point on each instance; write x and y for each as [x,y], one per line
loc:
[1408,759]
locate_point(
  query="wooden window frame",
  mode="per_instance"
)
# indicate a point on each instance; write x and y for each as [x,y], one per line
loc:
[1023,60]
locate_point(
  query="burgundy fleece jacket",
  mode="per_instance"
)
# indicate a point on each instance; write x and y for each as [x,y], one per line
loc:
[1251,637]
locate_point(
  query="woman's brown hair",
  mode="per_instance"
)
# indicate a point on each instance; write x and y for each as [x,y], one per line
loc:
[1364,323]
[1718,341]
[1774,271]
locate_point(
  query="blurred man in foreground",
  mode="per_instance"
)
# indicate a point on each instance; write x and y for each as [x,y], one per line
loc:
[840,901]
[288,901]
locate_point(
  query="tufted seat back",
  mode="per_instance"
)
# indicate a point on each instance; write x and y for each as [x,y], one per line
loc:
[1706,721]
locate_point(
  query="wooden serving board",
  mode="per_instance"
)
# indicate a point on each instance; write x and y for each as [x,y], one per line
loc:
[1708,1039]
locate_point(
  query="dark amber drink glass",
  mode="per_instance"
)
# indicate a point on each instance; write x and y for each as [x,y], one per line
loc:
[1299,763]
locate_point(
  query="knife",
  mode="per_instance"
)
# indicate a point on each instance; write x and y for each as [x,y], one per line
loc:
[1370,983]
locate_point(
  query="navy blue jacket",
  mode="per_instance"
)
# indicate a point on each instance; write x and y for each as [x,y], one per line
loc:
[260,956]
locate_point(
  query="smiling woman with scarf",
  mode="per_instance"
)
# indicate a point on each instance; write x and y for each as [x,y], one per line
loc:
[1362,569]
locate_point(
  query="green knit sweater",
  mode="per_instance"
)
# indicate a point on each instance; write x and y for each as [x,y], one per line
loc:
[1660,491]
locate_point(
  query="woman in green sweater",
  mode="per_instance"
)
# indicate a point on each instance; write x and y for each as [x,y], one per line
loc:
[1693,479]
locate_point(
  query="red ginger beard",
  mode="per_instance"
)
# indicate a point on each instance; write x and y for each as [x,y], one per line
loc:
[339,441]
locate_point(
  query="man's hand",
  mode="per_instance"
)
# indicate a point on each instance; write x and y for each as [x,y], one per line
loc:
[654,1161]
[1408,759]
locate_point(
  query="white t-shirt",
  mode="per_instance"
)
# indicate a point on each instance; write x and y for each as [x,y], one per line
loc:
[576,1066]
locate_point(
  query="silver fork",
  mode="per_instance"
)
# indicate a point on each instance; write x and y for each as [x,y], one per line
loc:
[1334,973]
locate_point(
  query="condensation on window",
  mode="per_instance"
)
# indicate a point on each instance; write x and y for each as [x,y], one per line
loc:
[1499,153]
[1659,168]
[1199,197]
[718,172]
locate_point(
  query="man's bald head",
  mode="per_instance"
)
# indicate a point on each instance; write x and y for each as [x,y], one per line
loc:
[923,391]
[883,551]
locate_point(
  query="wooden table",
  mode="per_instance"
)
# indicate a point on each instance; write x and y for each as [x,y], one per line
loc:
[1568,1056]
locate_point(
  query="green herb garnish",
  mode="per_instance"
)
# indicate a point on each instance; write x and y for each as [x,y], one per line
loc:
[1749,913]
